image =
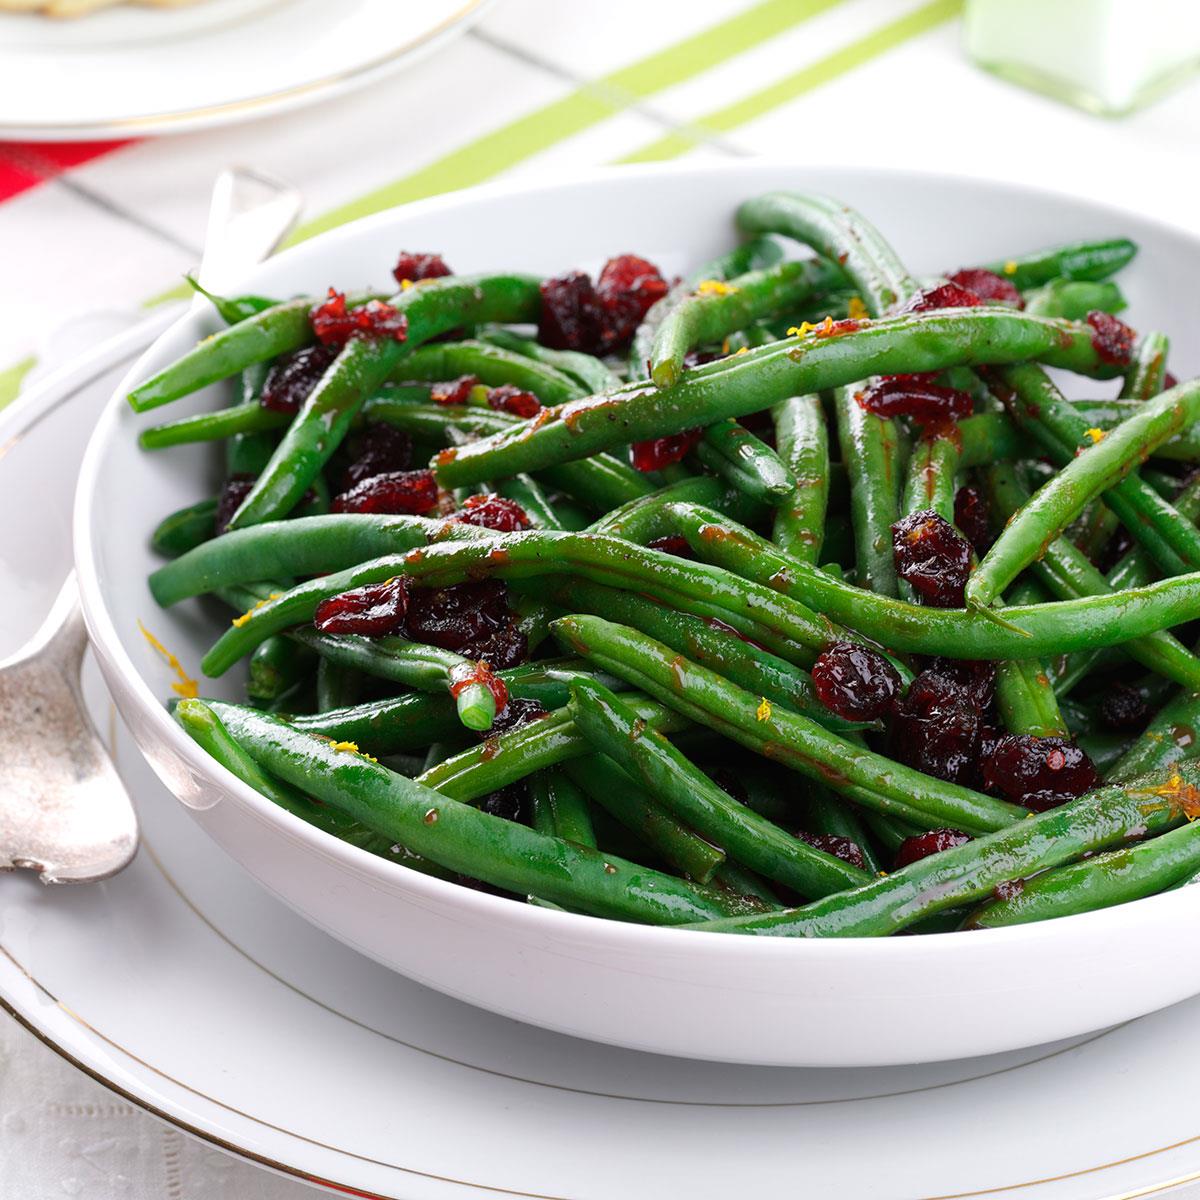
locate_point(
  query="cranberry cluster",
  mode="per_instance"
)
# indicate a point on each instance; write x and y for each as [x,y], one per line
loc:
[933,557]
[410,268]
[599,317]
[334,322]
[661,452]
[506,398]
[916,396]
[1112,338]
[290,381]
[472,619]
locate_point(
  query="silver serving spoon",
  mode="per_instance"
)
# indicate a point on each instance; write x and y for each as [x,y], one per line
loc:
[64,811]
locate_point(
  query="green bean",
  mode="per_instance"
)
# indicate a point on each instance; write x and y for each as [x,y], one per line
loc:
[1092,472]
[560,809]
[491,365]
[338,686]
[1035,630]
[1171,738]
[722,650]
[764,377]
[889,831]
[753,255]
[590,373]
[1102,818]
[601,481]
[777,733]
[747,463]
[1104,414]
[1068,574]
[205,728]
[1026,700]
[610,787]
[317,430]
[837,233]
[250,417]
[248,453]
[803,442]
[1074,298]
[645,518]
[505,758]
[1037,406]
[718,308]
[256,338]
[871,453]
[527,492]
[990,437]
[276,667]
[1145,376]
[1075,260]
[463,839]
[651,760]
[932,471]
[185,529]
[1100,882]
[231,309]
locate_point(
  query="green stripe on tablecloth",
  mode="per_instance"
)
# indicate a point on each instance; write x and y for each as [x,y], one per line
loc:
[11,377]
[495,152]
[824,70]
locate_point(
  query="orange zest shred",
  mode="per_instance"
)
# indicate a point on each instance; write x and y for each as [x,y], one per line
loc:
[714,287]
[405,284]
[821,328]
[741,350]
[1010,267]
[1178,793]
[240,621]
[185,685]
[352,748]
[763,712]
[856,310]
[1097,435]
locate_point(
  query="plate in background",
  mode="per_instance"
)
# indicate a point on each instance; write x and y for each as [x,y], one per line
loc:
[138,72]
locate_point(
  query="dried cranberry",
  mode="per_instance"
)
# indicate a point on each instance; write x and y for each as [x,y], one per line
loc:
[912,396]
[292,378]
[409,492]
[235,489]
[335,323]
[570,316]
[988,286]
[1124,707]
[508,802]
[1039,773]
[845,848]
[453,391]
[520,710]
[379,450]
[945,295]
[371,611]
[975,678]
[661,452]
[1112,339]
[515,400]
[601,317]
[470,618]
[466,675]
[1169,381]
[933,557]
[973,518]
[936,728]
[419,266]
[672,543]
[855,682]
[492,512]
[627,287]
[922,845]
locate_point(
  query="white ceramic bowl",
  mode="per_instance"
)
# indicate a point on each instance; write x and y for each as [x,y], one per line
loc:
[755,1000]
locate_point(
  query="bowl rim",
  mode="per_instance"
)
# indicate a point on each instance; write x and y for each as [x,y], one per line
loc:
[529,919]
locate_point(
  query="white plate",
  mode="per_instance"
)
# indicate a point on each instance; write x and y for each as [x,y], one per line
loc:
[781,1002]
[137,72]
[186,988]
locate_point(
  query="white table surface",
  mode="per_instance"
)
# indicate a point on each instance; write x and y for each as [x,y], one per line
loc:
[84,250]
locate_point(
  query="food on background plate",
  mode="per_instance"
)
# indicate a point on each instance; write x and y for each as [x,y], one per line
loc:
[81,8]
[789,598]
